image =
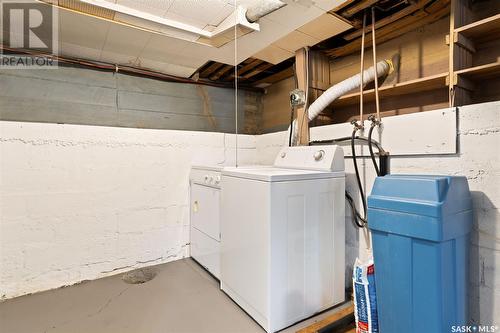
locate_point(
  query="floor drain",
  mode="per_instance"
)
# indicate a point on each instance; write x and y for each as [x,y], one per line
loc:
[139,276]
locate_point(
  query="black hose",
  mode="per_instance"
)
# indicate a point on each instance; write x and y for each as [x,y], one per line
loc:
[370,148]
[358,178]
[347,138]
[357,219]
[291,129]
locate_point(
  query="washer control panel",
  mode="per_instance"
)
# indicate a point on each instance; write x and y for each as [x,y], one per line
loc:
[322,158]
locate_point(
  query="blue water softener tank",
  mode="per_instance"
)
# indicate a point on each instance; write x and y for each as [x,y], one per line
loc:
[420,231]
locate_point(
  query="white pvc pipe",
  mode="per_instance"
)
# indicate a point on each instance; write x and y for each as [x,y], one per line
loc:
[340,89]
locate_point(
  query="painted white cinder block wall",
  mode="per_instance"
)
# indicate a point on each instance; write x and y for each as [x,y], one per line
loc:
[478,158]
[83,202]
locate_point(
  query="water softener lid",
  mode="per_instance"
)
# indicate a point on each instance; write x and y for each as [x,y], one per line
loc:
[428,195]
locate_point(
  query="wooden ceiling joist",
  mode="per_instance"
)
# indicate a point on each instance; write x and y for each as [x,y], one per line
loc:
[259,69]
[246,68]
[390,19]
[223,71]
[342,6]
[284,74]
[433,12]
[210,69]
[357,7]
[394,18]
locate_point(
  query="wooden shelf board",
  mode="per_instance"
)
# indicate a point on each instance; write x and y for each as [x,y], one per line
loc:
[403,88]
[480,72]
[486,29]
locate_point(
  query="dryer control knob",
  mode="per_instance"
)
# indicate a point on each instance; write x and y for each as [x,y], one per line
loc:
[217,179]
[318,156]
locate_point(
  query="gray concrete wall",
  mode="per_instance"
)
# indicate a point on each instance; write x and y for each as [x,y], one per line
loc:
[90,97]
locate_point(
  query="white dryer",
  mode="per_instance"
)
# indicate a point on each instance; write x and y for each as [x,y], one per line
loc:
[283,235]
[205,216]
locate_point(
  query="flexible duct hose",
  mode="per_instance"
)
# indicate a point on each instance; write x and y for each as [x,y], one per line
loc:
[341,88]
[384,67]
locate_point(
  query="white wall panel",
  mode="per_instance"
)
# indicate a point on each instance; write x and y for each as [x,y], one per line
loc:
[431,132]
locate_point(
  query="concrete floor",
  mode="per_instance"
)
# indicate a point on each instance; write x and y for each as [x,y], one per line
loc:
[181,298]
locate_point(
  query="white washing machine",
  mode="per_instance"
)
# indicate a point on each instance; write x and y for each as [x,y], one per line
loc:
[283,235]
[205,217]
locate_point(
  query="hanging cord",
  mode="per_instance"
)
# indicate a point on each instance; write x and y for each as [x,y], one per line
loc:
[362,71]
[375,120]
[236,90]
[374,48]
[359,220]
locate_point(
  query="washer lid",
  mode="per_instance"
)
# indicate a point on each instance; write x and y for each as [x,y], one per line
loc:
[273,174]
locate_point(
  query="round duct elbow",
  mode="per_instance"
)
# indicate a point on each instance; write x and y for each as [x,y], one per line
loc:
[263,8]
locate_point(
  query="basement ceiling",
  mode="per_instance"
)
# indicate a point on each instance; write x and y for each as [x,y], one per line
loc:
[122,39]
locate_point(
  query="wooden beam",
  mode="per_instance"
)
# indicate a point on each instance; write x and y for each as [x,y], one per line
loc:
[301,70]
[422,17]
[261,68]
[221,72]
[227,69]
[355,23]
[342,5]
[464,42]
[254,63]
[390,19]
[460,88]
[210,69]
[358,6]
[284,74]
[489,25]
